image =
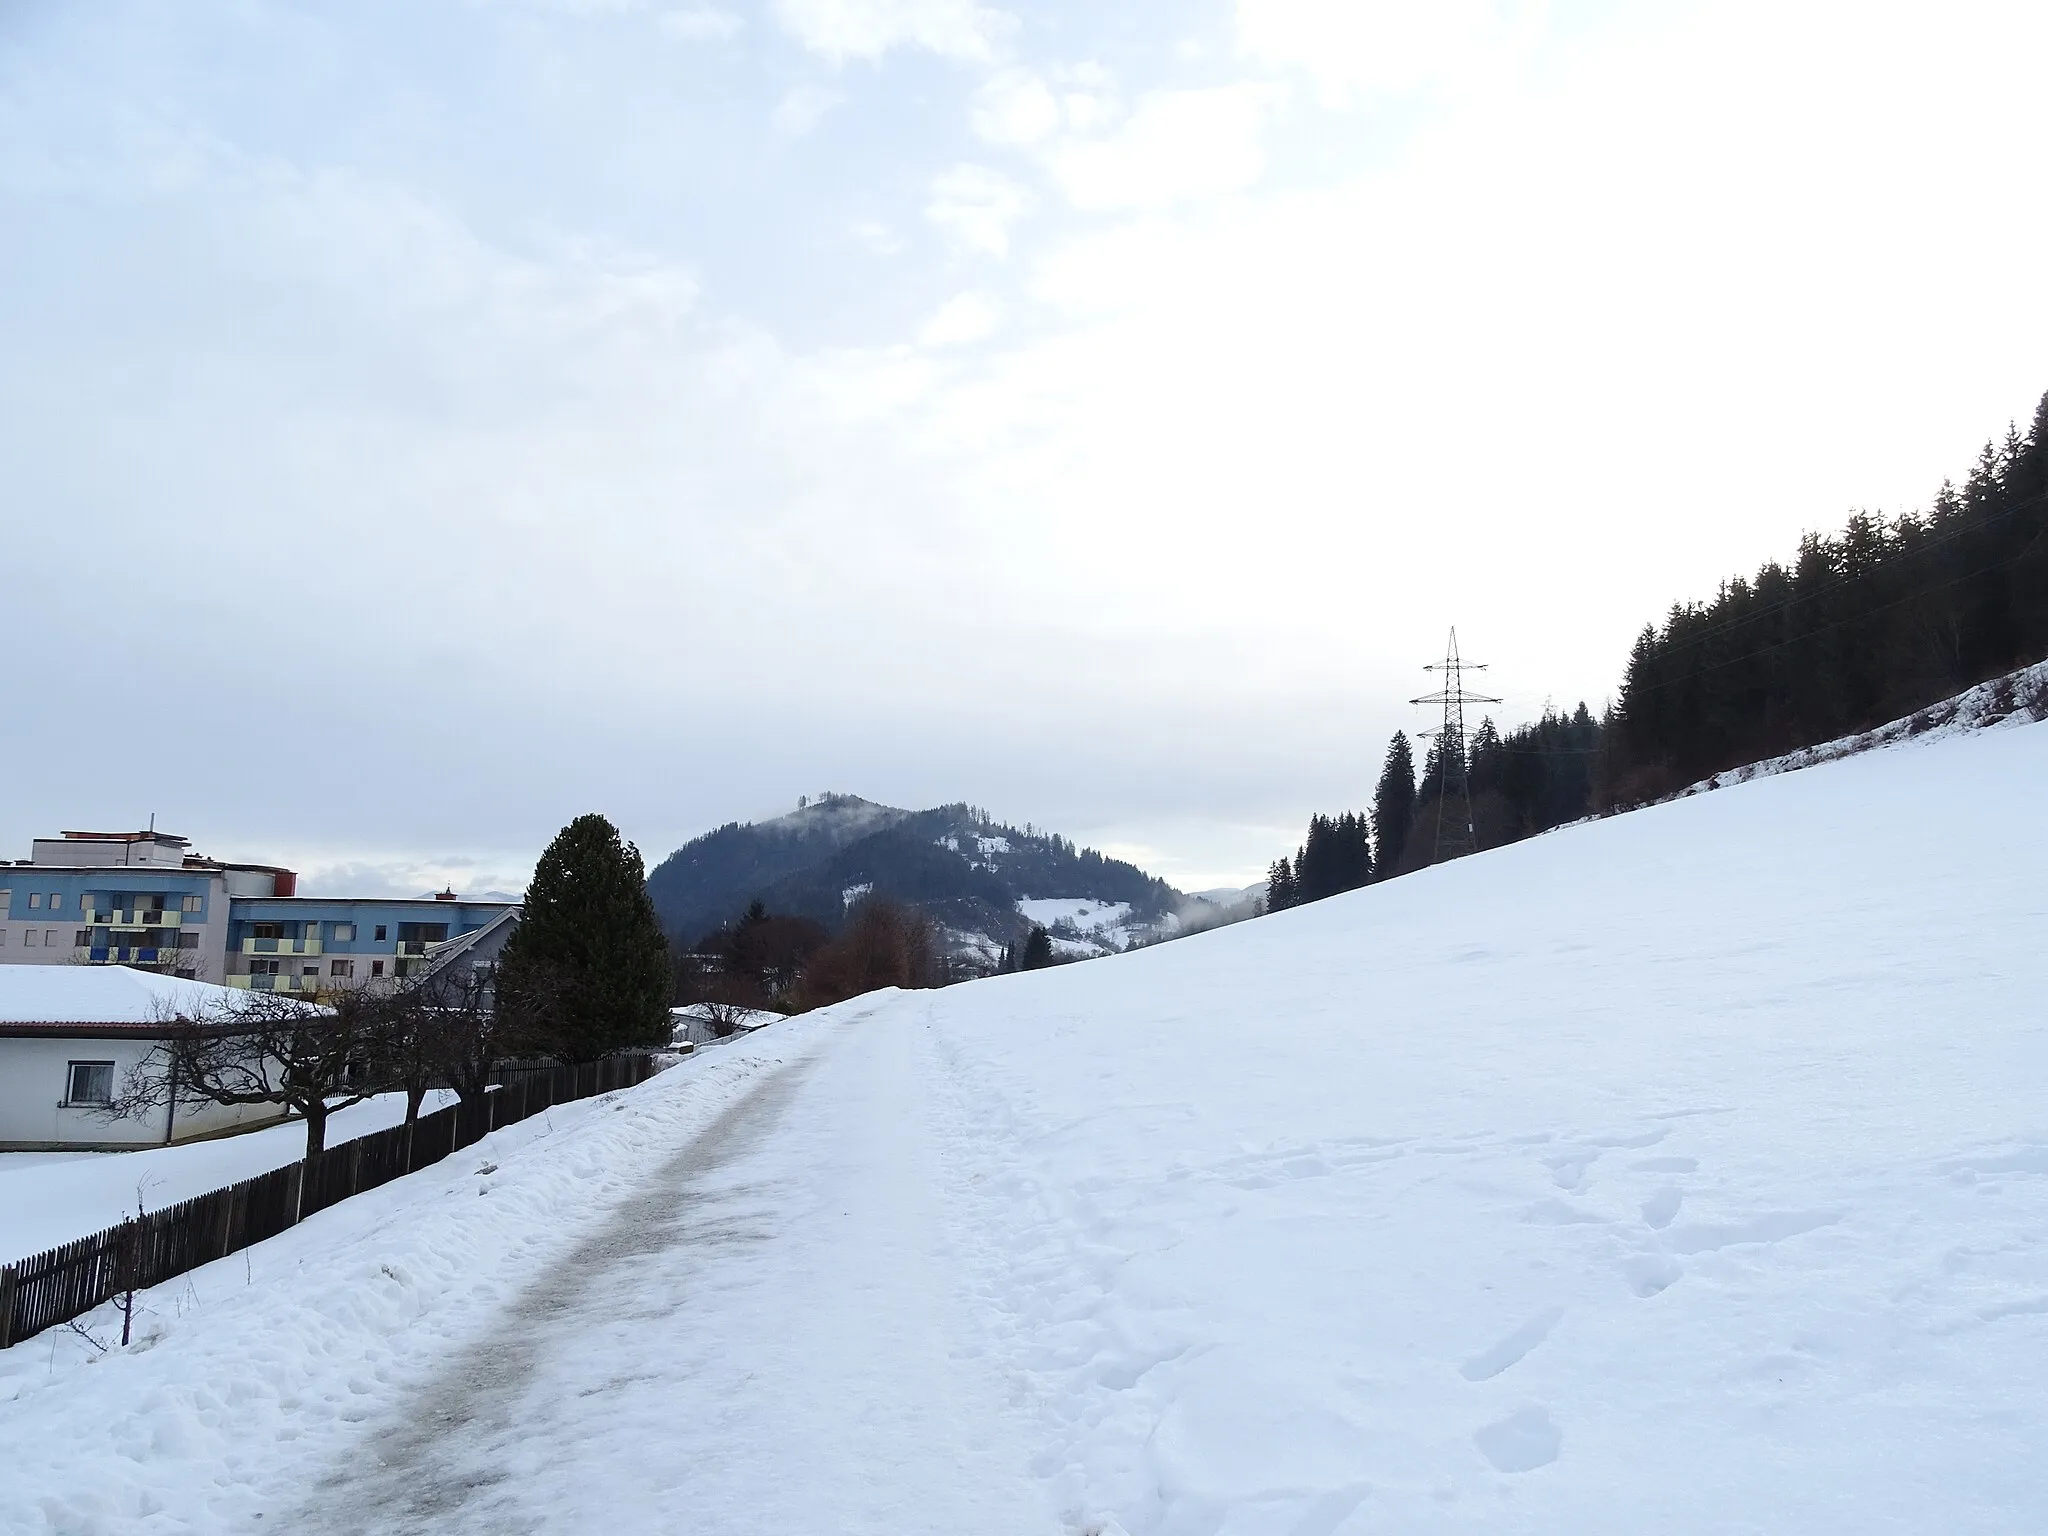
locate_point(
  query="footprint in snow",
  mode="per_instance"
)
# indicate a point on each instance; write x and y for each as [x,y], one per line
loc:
[1568,1169]
[1651,1274]
[1510,1351]
[1521,1442]
[1661,1207]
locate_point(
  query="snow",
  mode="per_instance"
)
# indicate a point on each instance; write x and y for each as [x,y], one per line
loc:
[700,1023]
[1105,927]
[1680,1172]
[47,1198]
[1087,915]
[105,994]
[854,893]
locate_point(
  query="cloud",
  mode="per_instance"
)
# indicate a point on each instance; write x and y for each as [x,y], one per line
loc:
[1176,145]
[976,206]
[802,108]
[1350,45]
[877,238]
[402,878]
[963,319]
[867,29]
[700,23]
[1015,107]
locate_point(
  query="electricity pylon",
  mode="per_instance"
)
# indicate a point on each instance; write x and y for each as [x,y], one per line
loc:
[1455,834]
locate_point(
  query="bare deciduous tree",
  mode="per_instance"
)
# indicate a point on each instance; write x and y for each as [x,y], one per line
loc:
[264,1048]
[885,944]
[451,1033]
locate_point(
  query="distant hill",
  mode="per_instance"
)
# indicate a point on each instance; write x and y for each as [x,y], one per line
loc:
[984,880]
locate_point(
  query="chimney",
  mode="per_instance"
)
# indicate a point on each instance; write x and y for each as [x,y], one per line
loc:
[447,895]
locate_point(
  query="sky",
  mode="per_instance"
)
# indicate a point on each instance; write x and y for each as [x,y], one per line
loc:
[425,421]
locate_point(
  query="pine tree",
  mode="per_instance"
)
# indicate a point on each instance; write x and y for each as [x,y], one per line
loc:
[1037,949]
[587,970]
[1393,807]
[1281,892]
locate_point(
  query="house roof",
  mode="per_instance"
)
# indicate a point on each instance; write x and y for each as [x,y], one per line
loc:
[74,1000]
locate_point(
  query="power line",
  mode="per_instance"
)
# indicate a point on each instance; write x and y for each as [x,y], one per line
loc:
[1455,833]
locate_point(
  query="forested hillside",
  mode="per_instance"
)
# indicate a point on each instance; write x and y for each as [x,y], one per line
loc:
[955,862]
[1862,627]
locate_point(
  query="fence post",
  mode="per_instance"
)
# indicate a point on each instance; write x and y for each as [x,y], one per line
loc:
[6,1306]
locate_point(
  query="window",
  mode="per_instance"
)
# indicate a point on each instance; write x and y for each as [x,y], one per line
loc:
[3,938]
[309,970]
[35,898]
[56,900]
[380,933]
[341,968]
[82,939]
[193,903]
[188,941]
[376,967]
[50,938]
[344,933]
[262,967]
[28,935]
[309,930]
[89,1082]
[263,931]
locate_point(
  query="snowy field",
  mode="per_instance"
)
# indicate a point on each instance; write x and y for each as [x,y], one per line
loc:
[1087,916]
[1682,1172]
[47,1198]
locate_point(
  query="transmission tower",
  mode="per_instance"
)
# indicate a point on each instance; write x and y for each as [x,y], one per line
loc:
[1455,835]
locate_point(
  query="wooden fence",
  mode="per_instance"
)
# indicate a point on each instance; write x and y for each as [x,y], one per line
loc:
[69,1281]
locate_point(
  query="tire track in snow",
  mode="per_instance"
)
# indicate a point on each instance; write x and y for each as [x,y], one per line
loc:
[446,1466]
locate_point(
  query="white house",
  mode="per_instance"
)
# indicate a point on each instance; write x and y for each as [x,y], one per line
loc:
[69,1036]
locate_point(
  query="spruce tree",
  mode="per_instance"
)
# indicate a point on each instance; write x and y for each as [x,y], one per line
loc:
[1393,806]
[587,970]
[1280,888]
[1037,949]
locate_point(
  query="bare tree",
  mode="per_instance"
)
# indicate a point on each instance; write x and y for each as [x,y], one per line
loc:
[726,1016]
[264,1048]
[884,945]
[450,1019]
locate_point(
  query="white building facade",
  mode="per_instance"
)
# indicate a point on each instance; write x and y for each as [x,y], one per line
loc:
[70,1038]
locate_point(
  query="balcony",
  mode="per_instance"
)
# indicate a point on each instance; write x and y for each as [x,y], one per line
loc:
[129,954]
[134,917]
[280,946]
[277,983]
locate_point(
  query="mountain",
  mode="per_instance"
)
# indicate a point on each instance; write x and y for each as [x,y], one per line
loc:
[984,880]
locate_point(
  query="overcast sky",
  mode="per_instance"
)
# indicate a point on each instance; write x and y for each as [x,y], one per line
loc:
[423,422]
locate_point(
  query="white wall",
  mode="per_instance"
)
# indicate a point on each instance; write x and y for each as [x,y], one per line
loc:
[33,1080]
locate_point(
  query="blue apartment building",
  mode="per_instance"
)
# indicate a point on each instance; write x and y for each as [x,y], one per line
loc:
[143,899]
[309,943]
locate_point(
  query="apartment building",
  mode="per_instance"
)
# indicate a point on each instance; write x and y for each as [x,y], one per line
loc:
[143,899]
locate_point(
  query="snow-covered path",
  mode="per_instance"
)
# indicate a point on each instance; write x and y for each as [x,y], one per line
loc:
[739,1312]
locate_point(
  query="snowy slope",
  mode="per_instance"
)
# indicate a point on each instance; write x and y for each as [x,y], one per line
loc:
[1681,1172]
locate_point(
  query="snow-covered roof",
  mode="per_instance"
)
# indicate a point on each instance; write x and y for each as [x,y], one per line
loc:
[126,1001]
